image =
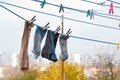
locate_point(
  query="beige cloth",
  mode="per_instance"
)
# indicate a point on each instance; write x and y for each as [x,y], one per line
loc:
[23,56]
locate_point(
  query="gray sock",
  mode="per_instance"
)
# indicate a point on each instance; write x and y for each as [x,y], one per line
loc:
[63,46]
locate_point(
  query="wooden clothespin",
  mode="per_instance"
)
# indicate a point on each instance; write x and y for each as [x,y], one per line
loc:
[58,29]
[43,3]
[46,26]
[32,20]
[61,8]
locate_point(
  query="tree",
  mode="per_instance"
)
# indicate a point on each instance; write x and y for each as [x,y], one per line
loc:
[105,61]
[53,72]
[72,72]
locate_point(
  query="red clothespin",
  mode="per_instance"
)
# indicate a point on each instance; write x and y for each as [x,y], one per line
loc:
[111,10]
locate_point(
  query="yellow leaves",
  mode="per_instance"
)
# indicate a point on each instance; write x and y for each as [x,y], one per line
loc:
[54,72]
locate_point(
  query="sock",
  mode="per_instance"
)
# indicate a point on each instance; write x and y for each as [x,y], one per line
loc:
[63,46]
[38,37]
[23,56]
[49,47]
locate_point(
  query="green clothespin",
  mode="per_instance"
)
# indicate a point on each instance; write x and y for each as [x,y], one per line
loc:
[88,13]
[43,3]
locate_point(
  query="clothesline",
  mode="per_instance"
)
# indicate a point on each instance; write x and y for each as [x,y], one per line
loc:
[93,40]
[104,26]
[70,36]
[113,1]
[82,11]
[98,3]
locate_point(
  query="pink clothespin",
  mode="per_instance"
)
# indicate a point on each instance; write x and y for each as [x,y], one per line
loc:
[111,10]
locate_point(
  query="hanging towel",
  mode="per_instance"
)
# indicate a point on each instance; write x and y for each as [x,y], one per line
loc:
[63,46]
[38,37]
[50,45]
[111,10]
[23,56]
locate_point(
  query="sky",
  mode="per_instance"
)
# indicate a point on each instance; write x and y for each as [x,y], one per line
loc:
[11,26]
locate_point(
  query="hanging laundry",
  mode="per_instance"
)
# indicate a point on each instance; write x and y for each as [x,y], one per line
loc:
[50,45]
[38,37]
[43,3]
[23,56]
[88,13]
[63,46]
[92,14]
[111,10]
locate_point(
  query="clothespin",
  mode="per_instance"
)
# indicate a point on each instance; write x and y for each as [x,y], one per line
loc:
[61,8]
[102,3]
[92,14]
[58,29]
[67,34]
[118,45]
[46,26]
[32,20]
[111,10]
[43,3]
[88,13]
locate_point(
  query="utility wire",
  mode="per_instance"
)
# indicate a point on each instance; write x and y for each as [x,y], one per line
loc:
[82,11]
[104,26]
[70,36]
[113,1]
[99,3]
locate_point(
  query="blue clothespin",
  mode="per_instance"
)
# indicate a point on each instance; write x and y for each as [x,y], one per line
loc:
[61,8]
[88,13]
[43,3]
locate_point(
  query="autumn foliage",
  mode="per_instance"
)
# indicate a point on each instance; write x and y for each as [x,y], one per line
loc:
[53,72]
